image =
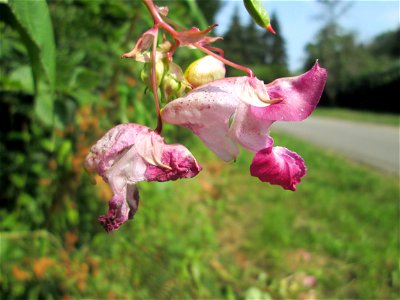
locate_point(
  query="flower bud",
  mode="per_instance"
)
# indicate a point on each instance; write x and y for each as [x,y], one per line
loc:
[204,70]
[145,75]
[259,14]
[173,84]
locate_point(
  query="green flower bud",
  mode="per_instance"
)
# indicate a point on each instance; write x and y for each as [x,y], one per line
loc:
[173,84]
[145,74]
[259,14]
[204,70]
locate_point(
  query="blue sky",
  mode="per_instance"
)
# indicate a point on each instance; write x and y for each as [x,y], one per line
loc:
[299,24]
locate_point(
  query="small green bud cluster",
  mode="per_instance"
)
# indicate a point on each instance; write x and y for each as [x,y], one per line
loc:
[170,79]
[173,83]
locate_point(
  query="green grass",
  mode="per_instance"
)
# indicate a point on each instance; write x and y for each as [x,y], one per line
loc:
[233,232]
[226,235]
[342,218]
[359,116]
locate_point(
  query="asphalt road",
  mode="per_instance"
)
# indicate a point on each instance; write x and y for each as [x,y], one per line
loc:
[375,145]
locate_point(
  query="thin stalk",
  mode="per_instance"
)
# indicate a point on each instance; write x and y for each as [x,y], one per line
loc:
[154,82]
[160,23]
[157,19]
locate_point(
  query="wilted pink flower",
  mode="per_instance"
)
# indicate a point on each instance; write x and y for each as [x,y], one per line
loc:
[130,153]
[240,110]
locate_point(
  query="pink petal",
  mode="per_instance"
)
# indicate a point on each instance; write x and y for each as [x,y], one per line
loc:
[300,94]
[206,111]
[278,165]
[250,132]
[181,164]
[221,114]
[122,207]
[117,140]
[130,153]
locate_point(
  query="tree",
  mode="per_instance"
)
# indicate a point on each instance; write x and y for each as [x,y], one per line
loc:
[250,45]
[331,46]
[348,62]
[234,39]
[253,49]
[209,9]
[275,45]
[386,44]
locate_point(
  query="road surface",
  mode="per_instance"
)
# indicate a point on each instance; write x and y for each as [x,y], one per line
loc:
[375,145]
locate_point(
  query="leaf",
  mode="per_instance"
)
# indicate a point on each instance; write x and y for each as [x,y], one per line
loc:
[19,80]
[44,103]
[22,78]
[32,20]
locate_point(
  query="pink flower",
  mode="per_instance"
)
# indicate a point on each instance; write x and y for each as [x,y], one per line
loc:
[240,110]
[130,153]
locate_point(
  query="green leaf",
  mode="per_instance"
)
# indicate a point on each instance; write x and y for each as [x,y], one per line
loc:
[44,103]
[22,77]
[32,20]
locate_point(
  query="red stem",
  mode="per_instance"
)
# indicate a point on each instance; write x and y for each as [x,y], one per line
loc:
[160,23]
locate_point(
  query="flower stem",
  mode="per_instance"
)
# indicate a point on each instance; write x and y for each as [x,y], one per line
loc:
[154,84]
[160,23]
[157,19]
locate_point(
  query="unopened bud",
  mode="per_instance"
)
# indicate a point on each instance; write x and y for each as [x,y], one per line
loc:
[204,70]
[259,14]
[145,75]
[173,84]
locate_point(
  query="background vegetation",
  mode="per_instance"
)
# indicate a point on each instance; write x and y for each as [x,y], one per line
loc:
[221,235]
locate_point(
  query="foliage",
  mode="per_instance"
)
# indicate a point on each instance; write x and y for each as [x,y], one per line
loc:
[37,35]
[43,185]
[210,9]
[91,80]
[353,65]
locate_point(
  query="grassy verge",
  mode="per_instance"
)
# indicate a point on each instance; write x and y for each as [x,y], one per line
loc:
[338,228]
[226,235]
[359,116]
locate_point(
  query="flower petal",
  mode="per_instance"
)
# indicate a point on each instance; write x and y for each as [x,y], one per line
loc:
[181,164]
[300,95]
[206,111]
[130,153]
[250,132]
[278,165]
[122,207]
[108,149]
[220,113]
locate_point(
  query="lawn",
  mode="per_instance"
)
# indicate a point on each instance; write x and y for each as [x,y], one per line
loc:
[227,235]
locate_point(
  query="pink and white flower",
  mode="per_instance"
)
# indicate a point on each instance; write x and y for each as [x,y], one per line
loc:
[128,154]
[240,110]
